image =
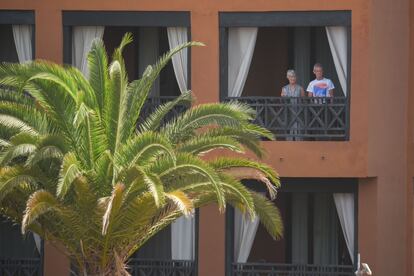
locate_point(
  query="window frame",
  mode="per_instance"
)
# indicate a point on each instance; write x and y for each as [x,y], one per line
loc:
[26,17]
[123,19]
[283,19]
[296,185]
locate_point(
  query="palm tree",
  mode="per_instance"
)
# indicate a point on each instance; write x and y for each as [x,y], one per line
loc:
[78,171]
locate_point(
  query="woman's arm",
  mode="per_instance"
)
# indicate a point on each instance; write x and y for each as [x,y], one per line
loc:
[302,92]
[282,93]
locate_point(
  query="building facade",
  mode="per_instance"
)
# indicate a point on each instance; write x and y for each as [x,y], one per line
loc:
[358,144]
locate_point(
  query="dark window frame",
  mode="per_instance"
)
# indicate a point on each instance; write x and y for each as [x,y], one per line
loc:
[20,18]
[282,19]
[295,185]
[126,19]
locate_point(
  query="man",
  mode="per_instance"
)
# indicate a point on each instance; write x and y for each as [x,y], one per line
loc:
[320,87]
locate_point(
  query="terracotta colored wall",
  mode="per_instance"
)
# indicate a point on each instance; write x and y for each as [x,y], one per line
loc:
[387,135]
[379,147]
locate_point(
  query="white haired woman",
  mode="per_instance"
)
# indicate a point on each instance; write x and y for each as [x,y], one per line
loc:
[293,91]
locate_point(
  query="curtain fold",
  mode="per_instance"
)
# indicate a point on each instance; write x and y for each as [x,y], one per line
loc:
[148,53]
[299,228]
[178,36]
[183,239]
[241,46]
[82,38]
[345,207]
[22,35]
[338,43]
[244,233]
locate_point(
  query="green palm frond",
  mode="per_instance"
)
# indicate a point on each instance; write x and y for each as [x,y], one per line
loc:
[153,122]
[39,203]
[77,170]
[14,152]
[142,149]
[98,72]
[269,215]
[71,169]
[138,90]
[13,177]
[202,144]
[223,115]
[260,171]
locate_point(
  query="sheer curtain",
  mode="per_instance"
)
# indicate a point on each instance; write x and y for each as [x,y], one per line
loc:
[178,36]
[23,35]
[299,228]
[183,229]
[183,239]
[240,52]
[244,233]
[345,207]
[338,43]
[148,53]
[82,38]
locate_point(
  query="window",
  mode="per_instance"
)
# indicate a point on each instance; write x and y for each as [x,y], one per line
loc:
[257,49]
[316,239]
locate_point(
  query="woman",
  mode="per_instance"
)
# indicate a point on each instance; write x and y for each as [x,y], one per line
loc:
[292,89]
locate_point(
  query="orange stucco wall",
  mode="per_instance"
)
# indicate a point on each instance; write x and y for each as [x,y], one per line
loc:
[379,152]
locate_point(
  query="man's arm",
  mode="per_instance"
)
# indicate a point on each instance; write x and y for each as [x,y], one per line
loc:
[331,93]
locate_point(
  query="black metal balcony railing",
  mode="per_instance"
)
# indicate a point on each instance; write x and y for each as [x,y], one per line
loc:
[268,269]
[301,118]
[152,103]
[288,118]
[20,267]
[142,267]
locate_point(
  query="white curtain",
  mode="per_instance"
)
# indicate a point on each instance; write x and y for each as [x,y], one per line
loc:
[148,53]
[299,228]
[22,35]
[338,42]
[183,229]
[178,36]
[183,239]
[82,39]
[244,233]
[345,207]
[240,52]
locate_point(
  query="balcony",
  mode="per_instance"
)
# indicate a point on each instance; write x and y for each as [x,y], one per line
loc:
[153,102]
[291,119]
[268,269]
[301,118]
[21,267]
[146,267]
